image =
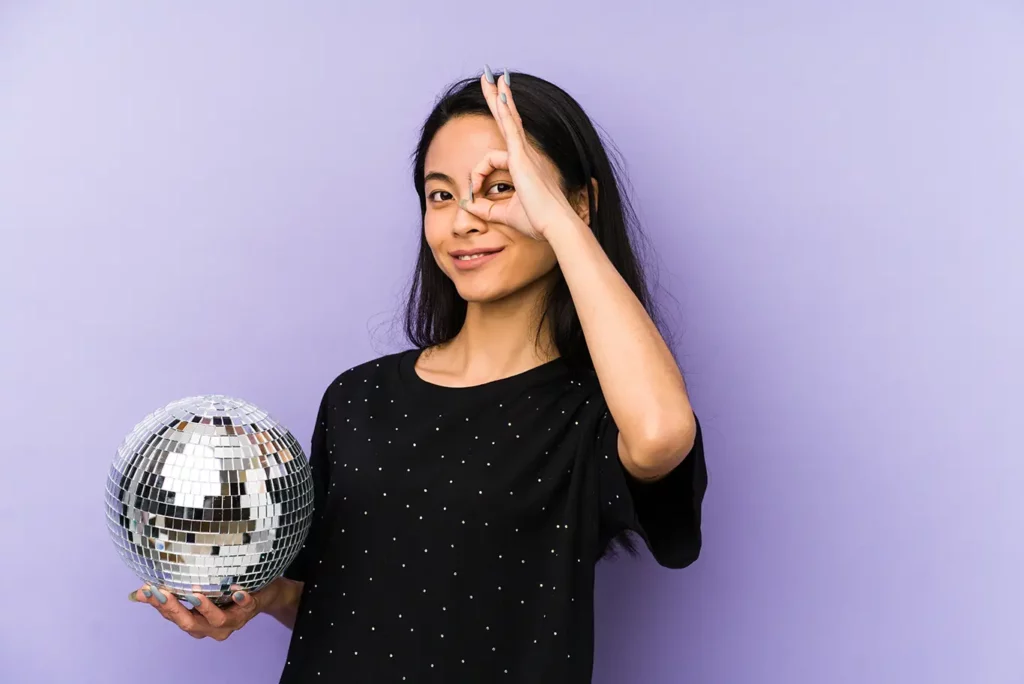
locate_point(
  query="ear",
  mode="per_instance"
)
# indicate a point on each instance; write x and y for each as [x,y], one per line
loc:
[581,204]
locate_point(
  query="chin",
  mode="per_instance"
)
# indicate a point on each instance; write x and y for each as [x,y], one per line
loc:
[493,288]
[483,294]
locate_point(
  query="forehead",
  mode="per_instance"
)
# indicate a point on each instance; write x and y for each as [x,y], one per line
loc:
[462,142]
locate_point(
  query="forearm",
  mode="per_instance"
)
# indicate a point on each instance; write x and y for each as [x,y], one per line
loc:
[639,377]
[282,600]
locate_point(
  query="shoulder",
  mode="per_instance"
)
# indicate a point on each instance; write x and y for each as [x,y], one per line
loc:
[373,373]
[575,396]
[583,383]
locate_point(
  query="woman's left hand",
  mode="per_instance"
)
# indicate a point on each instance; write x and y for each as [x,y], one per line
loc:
[538,201]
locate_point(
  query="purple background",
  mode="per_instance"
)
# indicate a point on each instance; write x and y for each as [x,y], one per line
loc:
[215,197]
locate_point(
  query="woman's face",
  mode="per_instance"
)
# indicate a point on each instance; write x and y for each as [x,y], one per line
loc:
[512,261]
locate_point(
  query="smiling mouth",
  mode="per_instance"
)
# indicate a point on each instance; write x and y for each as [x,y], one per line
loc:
[472,256]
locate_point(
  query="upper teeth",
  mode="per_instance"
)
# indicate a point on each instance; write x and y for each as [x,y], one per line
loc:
[467,257]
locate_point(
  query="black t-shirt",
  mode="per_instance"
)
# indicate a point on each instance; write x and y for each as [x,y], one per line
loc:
[456,529]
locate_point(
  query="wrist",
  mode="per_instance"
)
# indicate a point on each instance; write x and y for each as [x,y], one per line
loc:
[571,229]
[274,597]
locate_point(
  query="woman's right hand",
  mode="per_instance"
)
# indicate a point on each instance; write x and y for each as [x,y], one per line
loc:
[206,619]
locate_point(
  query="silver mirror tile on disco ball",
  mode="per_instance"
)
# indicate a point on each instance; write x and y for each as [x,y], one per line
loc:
[208,493]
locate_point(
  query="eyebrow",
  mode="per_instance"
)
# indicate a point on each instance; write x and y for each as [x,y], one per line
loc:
[438,176]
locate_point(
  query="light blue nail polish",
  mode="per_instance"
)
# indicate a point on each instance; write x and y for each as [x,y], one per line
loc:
[194,600]
[489,74]
[508,77]
[160,596]
[504,100]
[463,203]
[147,593]
[238,596]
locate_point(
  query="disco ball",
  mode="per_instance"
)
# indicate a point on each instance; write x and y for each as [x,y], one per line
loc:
[208,493]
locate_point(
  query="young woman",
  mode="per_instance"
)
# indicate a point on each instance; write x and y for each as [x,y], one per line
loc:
[466,488]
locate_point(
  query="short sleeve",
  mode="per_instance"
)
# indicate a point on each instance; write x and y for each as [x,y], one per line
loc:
[299,569]
[665,513]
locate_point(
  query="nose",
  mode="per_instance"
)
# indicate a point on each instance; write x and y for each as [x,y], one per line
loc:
[465,224]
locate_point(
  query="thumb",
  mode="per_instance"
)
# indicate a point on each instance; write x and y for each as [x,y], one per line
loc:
[484,209]
[243,599]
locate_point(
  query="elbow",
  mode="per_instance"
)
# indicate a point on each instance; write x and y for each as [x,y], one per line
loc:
[663,445]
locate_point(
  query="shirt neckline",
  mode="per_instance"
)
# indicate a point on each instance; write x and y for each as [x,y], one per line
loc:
[533,376]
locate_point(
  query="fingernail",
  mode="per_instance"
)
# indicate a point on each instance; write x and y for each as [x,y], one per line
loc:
[238,597]
[489,74]
[147,593]
[471,188]
[463,203]
[504,100]
[160,596]
[508,77]
[194,600]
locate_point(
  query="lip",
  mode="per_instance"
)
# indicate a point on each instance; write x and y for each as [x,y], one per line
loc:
[488,255]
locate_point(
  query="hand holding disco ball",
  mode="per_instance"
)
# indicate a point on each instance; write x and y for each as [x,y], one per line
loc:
[210,499]
[208,619]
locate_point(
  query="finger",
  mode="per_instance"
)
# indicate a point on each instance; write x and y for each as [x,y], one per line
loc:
[489,87]
[214,614]
[494,160]
[244,601]
[508,102]
[153,597]
[508,115]
[244,606]
[486,210]
[170,607]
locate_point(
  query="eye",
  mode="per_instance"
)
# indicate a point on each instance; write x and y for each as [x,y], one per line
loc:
[500,188]
[444,196]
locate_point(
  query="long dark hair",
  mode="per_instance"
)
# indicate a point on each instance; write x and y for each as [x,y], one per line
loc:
[559,127]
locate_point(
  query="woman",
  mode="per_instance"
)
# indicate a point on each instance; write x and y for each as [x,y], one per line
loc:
[465,488]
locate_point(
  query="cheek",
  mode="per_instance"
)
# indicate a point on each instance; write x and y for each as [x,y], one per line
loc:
[432,230]
[435,234]
[537,257]
[531,261]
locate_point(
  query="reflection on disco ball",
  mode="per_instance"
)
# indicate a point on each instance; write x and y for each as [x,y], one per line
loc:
[208,493]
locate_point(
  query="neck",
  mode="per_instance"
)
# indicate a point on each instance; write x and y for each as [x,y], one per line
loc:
[499,339]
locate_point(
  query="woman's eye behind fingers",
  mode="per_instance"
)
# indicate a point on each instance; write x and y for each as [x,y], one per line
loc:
[501,188]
